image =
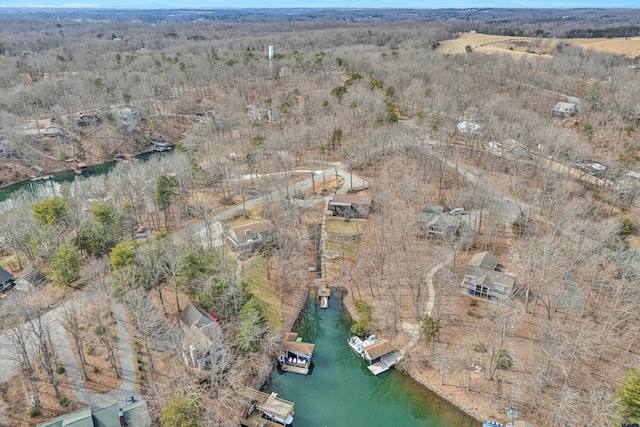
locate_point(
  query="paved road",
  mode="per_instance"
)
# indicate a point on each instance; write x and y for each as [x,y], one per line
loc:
[10,365]
[209,231]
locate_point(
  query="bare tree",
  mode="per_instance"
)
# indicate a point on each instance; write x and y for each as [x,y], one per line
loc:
[71,312]
[20,337]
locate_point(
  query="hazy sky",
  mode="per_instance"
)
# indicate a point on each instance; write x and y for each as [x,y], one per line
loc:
[422,4]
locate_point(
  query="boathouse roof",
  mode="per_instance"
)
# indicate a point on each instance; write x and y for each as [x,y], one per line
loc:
[290,344]
[379,348]
[270,403]
[299,347]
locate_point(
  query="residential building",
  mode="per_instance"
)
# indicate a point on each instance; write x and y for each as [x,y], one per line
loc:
[434,221]
[351,205]
[203,343]
[485,278]
[135,414]
[564,109]
[251,235]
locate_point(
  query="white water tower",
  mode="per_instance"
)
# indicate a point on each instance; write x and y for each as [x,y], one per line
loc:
[270,52]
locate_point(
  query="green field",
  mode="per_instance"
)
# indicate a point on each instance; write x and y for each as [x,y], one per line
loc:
[258,284]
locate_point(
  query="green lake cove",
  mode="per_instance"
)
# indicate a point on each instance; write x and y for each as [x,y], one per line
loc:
[340,391]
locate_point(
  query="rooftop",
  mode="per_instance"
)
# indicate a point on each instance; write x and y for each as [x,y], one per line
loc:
[355,199]
[379,348]
[253,227]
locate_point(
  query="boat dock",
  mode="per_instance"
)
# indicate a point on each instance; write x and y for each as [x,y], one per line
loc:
[323,294]
[378,352]
[266,410]
[295,355]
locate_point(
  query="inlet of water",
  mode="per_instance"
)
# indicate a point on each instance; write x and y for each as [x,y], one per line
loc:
[340,391]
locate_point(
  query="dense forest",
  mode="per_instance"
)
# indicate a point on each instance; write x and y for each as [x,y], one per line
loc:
[373,97]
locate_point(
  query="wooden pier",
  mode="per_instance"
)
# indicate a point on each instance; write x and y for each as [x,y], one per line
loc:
[323,293]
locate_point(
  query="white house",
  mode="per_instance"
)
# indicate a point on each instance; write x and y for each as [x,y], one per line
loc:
[564,109]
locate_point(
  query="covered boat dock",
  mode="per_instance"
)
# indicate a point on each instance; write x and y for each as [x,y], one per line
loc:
[266,410]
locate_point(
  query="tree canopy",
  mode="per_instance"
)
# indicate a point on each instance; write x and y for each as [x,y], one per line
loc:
[51,211]
[66,264]
[123,254]
[182,412]
[629,396]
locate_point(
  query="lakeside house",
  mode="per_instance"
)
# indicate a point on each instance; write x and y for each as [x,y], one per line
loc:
[251,235]
[434,221]
[203,345]
[485,278]
[265,410]
[295,355]
[379,353]
[132,414]
[350,205]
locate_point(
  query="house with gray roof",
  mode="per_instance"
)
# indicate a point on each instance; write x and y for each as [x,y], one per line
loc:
[564,109]
[132,415]
[203,343]
[351,205]
[435,221]
[251,235]
[6,279]
[485,278]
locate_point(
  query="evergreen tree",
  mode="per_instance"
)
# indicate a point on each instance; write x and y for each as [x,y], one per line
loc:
[629,396]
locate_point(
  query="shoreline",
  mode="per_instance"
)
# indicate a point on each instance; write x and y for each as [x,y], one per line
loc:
[432,388]
[67,172]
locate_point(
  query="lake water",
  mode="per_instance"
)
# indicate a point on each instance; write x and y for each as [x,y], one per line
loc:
[49,188]
[340,391]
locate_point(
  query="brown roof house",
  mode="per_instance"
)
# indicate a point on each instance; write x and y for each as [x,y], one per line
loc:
[350,205]
[203,346]
[251,235]
[485,278]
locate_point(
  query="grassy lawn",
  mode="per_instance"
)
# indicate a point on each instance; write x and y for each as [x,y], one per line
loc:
[258,284]
[346,249]
[339,226]
[254,214]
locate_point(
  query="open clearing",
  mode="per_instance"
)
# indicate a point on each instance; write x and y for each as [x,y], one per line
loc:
[519,46]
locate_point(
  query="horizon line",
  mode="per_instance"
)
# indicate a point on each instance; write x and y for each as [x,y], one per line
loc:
[80,6]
